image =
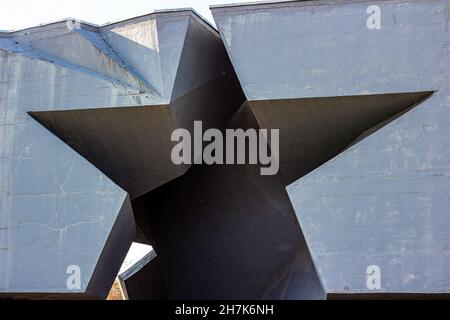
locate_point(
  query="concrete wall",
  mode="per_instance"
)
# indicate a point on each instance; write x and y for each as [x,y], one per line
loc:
[384,201]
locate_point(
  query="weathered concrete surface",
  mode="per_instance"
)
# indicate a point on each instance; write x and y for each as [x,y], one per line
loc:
[323,48]
[310,68]
[383,201]
[85,85]
[393,206]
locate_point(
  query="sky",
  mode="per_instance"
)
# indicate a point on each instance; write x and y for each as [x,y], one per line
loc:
[19,14]
[136,252]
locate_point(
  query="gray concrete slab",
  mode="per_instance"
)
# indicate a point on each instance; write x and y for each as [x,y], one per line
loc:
[104,120]
[388,192]
[194,78]
[314,130]
[57,210]
[383,200]
[143,280]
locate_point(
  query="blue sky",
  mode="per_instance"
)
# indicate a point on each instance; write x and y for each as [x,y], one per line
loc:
[17,14]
